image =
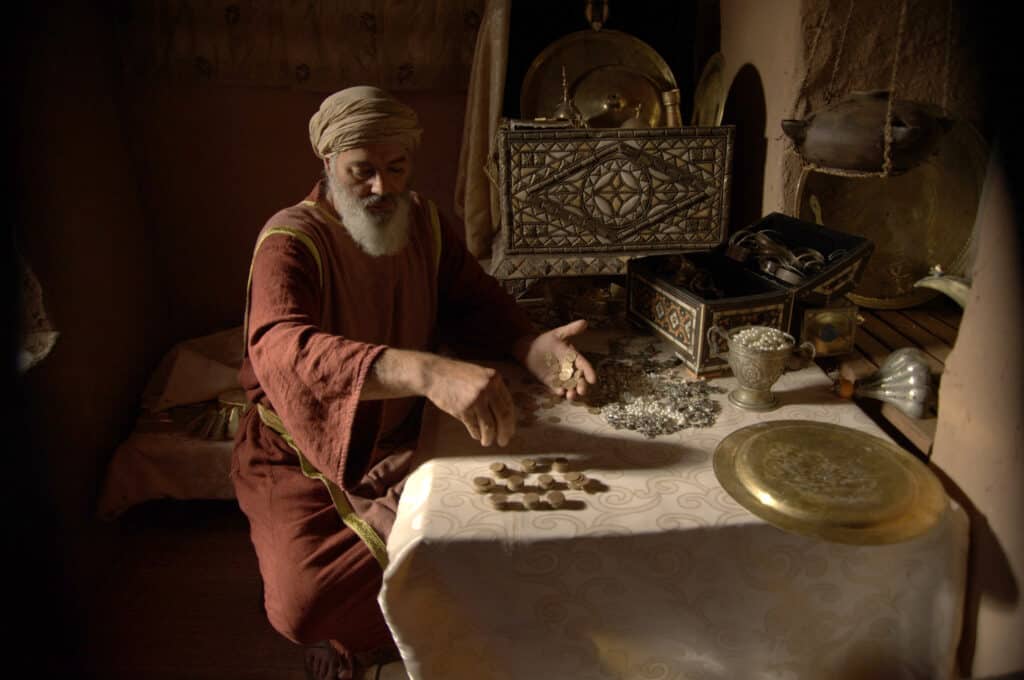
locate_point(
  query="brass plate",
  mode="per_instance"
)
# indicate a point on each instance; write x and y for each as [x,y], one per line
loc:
[709,97]
[579,53]
[916,220]
[608,96]
[829,481]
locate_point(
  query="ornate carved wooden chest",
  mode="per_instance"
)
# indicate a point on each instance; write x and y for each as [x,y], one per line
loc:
[583,202]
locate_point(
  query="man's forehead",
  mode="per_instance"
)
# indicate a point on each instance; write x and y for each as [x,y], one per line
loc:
[384,154]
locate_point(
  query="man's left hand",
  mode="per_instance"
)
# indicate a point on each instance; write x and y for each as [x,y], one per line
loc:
[552,359]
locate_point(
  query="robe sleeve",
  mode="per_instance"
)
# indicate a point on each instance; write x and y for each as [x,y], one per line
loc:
[476,315]
[312,379]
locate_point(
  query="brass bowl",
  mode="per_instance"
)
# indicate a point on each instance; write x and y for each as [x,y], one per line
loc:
[829,481]
[608,96]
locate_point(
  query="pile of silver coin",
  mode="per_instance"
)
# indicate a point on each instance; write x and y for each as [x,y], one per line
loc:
[762,338]
[643,393]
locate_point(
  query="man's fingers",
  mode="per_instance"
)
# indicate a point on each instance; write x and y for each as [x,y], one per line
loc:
[488,427]
[570,329]
[504,415]
[589,374]
[472,423]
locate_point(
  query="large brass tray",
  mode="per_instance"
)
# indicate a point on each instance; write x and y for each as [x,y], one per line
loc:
[918,219]
[580,53]
[833,482]
[709,97]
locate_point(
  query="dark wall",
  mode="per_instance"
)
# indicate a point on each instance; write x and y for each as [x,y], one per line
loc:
[78,220]
[137,204]
[215,162]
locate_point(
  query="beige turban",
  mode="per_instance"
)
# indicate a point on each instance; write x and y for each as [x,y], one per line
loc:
[357,116]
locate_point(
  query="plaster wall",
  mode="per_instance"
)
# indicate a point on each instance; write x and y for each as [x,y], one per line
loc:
[764,37]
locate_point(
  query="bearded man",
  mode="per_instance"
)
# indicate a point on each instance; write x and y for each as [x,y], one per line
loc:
[351,292]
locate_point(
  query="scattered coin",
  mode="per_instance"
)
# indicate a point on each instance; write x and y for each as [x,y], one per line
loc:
[556,499]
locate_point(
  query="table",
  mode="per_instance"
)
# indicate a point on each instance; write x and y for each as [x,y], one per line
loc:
[660,576]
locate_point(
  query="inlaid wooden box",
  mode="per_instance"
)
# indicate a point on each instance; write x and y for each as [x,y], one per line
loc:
[731,293]
[583,202]
[683,317]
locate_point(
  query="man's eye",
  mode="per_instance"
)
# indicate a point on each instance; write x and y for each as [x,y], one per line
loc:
[362,173]
[396,170]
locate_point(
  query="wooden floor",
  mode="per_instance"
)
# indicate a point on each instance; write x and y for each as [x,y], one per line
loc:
[931,327]
[182,601]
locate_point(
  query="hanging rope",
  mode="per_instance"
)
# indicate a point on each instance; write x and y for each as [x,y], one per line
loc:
[945,66]
[831,90]
[802,92]
[887,148]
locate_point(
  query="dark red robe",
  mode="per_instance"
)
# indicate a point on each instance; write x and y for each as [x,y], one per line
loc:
[320,311]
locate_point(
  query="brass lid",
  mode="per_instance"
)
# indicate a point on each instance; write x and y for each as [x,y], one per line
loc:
[829,481]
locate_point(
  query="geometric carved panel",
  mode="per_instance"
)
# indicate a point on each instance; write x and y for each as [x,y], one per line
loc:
[607,195]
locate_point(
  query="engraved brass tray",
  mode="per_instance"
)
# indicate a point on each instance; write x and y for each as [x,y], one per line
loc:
[918,219]
[829,481]
[709,97]
[579,53]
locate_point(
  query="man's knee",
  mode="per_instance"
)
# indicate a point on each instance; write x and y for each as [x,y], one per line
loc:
[294,612]
[309,604]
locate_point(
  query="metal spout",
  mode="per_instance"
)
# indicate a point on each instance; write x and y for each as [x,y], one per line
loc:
[955,287]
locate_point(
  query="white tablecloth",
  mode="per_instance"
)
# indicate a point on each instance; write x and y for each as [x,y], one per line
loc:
[661,576]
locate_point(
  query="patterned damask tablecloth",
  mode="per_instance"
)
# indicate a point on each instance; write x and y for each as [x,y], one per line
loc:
[662,575]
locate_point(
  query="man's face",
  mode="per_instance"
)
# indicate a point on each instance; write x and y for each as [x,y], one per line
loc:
[375,174]
[368,186]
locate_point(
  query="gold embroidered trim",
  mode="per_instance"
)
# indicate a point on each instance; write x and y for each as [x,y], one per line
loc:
[435,223]
[363,530]
[288,231]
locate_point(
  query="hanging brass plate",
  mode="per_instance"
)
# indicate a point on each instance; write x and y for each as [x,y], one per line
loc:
[579,53]
[709,97]
[833,482]
[917,219]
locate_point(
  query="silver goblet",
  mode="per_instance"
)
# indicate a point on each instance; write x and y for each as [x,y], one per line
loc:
[756,370]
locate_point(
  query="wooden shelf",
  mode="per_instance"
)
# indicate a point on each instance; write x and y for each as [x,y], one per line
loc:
[931,327]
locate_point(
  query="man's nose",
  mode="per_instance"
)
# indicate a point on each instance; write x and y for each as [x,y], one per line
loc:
[384,183]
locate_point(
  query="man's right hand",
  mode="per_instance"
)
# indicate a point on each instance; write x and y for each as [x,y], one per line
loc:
[473,394]
[476,395]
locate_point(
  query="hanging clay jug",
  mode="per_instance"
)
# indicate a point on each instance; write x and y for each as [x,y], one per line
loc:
[850,135]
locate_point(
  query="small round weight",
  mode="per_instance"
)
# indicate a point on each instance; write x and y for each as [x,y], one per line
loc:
[545,481]
[515,482]
[573,476]
[531,500]
[499,469]
[498,500]
[483,484]
[560,464]
[529,464]
[556,499]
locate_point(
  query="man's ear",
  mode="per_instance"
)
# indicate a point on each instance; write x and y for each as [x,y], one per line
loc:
[327,164]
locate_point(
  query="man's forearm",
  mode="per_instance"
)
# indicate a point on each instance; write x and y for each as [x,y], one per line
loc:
[398,373]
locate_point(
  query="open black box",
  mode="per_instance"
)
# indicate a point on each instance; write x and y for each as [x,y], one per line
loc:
[730,294]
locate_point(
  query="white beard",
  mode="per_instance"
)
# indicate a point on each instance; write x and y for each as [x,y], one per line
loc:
[376,234]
